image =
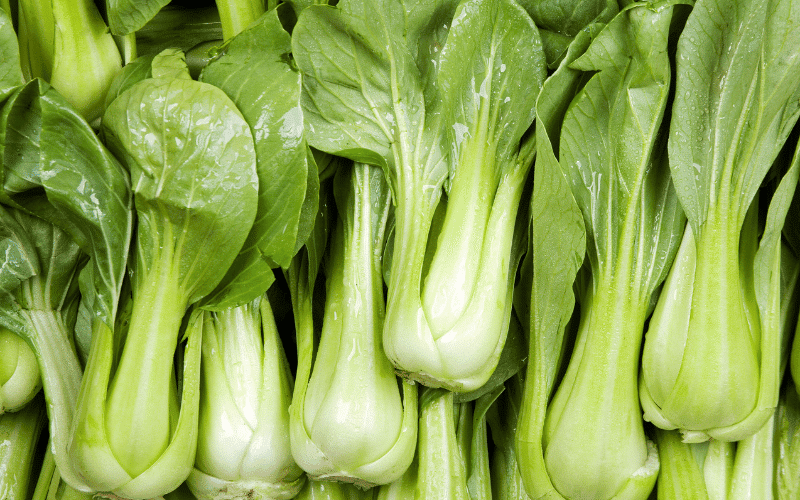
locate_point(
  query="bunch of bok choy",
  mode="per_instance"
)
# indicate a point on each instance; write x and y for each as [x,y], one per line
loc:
[399,249]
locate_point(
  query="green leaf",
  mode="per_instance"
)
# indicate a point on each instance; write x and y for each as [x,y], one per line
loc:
[737,96]
[364,86]
[490,73]
[127,16]
[132,73]
[560,22]
[72,181]
[257,73]
[180,192]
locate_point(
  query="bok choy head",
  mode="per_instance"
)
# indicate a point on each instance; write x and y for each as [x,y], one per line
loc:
[243,443]
[350,421]
[433,111]
[611,170]
[191,161]
[758,466]
[55,168]
[711,359]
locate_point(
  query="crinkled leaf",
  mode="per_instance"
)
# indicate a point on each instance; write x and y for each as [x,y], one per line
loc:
[368,69]
[560,21]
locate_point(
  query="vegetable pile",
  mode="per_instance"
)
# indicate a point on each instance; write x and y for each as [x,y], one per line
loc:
[400,249]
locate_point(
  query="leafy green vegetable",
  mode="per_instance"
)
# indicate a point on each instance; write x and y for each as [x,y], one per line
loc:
[256,72]
[614,165]
[473,436]
[19,433]
[55,167]
[349,421]
[243,444]
[38,301]
[427,111]
[191,159]
[711,359]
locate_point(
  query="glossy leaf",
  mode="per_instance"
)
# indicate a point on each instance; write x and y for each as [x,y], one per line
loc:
[256,72]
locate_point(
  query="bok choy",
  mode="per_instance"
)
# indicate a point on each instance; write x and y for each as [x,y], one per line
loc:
[711,362]
[350,421]
[243,442]
[191,161]
[612,161]
[433,113]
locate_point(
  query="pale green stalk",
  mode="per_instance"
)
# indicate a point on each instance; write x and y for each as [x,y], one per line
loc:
[442,472]
[243,444]
[351,422]
[19,434]
[237,15]
[67,43]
